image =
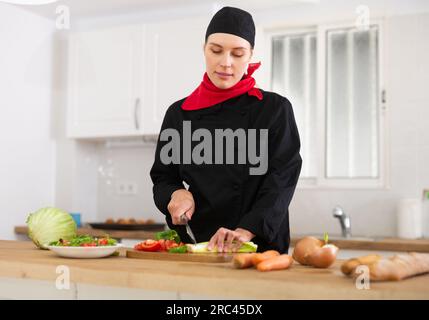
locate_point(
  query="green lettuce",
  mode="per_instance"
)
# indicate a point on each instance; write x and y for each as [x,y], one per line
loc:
[168,235]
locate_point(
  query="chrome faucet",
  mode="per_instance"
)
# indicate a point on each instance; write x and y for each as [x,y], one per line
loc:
[346,227]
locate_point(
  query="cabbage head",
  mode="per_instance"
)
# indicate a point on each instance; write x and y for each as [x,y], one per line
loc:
[47,225]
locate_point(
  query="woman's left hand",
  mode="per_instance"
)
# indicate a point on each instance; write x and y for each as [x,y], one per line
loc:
[227,240]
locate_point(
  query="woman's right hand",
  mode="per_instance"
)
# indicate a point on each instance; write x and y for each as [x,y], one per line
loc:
[182,202]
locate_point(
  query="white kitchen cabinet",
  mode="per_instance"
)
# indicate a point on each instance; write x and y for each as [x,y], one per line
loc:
[123,79]
[104,97]
[174,66]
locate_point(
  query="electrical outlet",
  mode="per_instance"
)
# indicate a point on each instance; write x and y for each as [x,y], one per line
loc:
[126,188]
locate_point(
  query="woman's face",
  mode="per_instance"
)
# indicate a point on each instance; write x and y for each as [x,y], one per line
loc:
[227,57]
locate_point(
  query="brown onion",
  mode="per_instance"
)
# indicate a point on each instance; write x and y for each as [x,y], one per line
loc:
[304,248]
[323,257]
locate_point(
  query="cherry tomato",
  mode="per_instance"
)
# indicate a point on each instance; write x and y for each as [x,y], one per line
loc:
[103,242]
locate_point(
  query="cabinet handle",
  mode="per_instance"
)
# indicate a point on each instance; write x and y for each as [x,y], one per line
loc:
[136,114]
[383,99]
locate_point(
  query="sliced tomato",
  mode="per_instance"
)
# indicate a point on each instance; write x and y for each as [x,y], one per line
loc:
[170,244]
[162,244]
[148,245]
[165,245]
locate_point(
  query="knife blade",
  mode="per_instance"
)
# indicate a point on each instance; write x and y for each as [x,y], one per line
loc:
[188,228]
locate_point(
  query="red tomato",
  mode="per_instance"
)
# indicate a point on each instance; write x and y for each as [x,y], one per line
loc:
[102,242]
[170,244]
[162,244]
[149,245]
[91,244]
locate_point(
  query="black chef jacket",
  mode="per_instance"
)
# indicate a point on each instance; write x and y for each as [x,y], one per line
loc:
[226,195]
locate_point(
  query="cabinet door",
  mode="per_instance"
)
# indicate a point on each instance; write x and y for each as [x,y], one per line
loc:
[104,84]
[174,66]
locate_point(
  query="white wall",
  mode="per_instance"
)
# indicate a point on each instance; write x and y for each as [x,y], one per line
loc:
[27,154]
[77,162]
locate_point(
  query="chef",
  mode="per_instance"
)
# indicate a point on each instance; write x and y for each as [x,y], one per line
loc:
[226,202]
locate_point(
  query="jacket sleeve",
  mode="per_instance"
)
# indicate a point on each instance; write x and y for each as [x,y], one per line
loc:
[165,177]
[284,166]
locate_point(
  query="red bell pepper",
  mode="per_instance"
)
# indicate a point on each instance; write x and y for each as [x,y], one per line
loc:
[148,245]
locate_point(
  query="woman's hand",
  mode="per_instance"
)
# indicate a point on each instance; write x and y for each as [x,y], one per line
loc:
[182,202]
[229,240]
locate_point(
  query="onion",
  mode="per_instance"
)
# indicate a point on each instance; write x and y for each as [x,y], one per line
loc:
[323,257]
[306,247]
[311,251]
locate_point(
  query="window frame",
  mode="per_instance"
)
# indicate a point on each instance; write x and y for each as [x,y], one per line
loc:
[321,181]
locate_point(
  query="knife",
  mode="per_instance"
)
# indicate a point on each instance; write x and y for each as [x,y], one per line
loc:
[188,228]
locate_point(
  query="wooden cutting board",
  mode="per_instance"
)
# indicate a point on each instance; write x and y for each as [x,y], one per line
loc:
[190,257]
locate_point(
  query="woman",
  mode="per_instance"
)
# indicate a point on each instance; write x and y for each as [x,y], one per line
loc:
[225,203]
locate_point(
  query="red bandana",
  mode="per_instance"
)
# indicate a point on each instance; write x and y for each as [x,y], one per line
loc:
[207,94]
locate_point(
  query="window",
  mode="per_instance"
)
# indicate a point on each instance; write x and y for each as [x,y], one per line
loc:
[294,74]
[331,76]
[351,104]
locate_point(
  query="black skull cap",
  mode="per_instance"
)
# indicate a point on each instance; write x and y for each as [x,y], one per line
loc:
[233,21]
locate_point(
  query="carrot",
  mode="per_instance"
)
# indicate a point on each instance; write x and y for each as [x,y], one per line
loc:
[243,260]
[276,263]
[259,257]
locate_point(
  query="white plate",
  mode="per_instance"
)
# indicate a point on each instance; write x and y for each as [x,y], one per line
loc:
[85,252]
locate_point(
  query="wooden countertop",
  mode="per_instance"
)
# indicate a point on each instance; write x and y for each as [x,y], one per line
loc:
[24,260]
[382,244]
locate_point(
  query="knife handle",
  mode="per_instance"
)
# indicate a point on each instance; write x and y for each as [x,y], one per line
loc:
[184,218]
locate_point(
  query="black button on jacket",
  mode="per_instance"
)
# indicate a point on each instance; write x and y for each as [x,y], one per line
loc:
[227,195]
